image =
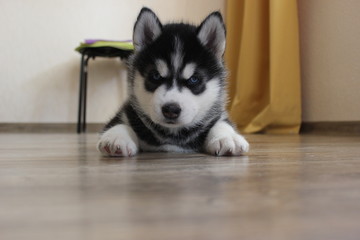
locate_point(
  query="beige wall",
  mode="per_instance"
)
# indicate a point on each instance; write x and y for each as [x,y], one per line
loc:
[330,49]
[39,70]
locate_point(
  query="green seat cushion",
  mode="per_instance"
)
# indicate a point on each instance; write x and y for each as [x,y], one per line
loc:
[123,45]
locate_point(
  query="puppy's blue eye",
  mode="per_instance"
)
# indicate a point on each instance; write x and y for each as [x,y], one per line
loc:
[193,80]
[155,76]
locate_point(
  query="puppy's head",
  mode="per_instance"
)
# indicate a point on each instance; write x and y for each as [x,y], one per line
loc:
[177,69]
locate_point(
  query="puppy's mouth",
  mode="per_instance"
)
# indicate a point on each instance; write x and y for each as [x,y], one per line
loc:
[171,122]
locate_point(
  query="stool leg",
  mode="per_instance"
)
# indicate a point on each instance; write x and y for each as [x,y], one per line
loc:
[85,93]
[81,91]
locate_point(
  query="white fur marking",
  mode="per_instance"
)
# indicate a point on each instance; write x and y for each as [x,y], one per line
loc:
[145,98]
[162,68]
[177,55]
[224,140]
[193,107]
[119,141]
[188,70]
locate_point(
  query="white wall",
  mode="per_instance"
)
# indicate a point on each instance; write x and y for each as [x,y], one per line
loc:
[39,70]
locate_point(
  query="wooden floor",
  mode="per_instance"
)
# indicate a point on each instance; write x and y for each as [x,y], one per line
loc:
[57,186]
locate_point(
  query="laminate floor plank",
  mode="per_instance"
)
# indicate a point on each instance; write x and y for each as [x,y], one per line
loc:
[57,186]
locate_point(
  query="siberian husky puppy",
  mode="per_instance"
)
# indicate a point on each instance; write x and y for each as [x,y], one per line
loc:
[177,92]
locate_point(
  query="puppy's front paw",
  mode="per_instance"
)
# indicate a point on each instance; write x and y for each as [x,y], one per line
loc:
[224,140]
[234,144]
[118,141]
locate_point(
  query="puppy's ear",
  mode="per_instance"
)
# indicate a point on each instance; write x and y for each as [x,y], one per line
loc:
[211,34]
[147,28]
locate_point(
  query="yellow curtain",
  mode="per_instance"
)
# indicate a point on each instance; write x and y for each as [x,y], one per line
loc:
[263,60]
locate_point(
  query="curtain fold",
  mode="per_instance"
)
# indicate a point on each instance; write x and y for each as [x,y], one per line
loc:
[264,63]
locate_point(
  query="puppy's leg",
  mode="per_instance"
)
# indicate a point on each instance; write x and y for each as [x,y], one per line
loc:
[224,140]
[119,141]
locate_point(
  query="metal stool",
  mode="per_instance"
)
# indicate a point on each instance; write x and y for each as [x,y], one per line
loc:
[88,52]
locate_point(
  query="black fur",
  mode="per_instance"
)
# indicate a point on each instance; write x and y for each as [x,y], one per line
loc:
[209,66]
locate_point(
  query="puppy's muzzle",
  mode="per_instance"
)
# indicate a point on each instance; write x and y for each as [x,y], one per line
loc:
[171,111]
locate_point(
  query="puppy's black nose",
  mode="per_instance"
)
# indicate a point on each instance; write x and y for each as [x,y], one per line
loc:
[171,111]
